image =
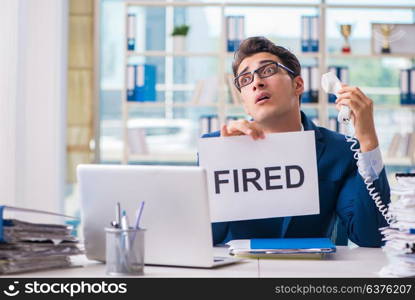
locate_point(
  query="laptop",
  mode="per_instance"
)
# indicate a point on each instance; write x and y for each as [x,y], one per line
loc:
[176,212]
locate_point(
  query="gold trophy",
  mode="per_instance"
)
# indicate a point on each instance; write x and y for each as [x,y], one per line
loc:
[386,31]
[346,31]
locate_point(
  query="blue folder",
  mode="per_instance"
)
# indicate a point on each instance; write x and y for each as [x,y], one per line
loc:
[293,243]
[282,248]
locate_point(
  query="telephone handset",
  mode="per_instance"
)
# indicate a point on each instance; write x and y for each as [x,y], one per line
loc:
[331,84]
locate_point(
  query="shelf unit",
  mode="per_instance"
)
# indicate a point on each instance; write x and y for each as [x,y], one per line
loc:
[222,107]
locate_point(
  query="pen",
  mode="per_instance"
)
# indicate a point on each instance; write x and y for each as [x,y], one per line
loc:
[139,212]
[118,214]
[137,221]
[125,226]
[124,221]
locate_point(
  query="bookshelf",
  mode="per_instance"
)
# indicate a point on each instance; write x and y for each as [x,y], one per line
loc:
[223,106]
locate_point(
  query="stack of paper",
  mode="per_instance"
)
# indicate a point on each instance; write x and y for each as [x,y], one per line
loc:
[400,236]
[282,248]
[28,246]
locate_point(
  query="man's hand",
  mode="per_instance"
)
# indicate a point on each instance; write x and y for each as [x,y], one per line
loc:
[361,108]
[242,127]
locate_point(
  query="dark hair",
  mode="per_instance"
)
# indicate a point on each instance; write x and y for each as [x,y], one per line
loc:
[256,44]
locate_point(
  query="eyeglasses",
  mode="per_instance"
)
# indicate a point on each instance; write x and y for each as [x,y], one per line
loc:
[263,72]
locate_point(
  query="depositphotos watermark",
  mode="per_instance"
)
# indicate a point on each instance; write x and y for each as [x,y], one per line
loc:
[70,289]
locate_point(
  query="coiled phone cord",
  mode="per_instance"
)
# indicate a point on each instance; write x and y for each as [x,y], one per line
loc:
[368,182]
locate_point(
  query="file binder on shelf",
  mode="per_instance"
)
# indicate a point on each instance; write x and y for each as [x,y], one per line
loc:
[131,78]
[235,32]
[342,72]
[208,124]
[131,31]
[309,33]
[141,82]
[412,86]
[314,84]
[407,86]
[310,76]
[314,44]
[306,95]
[282,248]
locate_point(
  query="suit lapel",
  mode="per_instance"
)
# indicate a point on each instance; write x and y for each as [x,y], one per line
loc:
[320,145]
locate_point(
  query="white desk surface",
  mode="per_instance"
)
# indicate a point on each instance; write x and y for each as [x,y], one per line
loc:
[346,262]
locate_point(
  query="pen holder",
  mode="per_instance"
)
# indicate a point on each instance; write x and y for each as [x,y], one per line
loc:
[124,251]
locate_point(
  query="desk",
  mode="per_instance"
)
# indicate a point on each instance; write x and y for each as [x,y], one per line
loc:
[346,262]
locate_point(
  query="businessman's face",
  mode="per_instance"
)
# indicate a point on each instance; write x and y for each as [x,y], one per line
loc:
[265,99]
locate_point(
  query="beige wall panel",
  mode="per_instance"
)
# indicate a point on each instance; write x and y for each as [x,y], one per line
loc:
[78,136]
[81,6]
[80,42]
[80,97]
[74,159]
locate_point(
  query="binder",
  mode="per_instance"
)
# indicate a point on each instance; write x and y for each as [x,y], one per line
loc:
[282,247]
[235,32]
[404,86]
[342,72]
[314,43]
[230,32]
[145,84]
[235,94]
[208,124]
[332,98]
[306,95]
[314,84]
[333,124]
[344,75]
[131,78]
[305,27]
[131,31]
[231,118]
[239,32]
[315,121]
[412,86]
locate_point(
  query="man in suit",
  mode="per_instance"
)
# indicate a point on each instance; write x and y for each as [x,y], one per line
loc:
[268,78]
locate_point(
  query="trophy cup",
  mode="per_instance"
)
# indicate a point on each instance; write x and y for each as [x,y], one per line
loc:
[386,31]
[346,31]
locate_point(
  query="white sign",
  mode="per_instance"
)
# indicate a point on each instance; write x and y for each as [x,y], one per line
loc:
[273,177]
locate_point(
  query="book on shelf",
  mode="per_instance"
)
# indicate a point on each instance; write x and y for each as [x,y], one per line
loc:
[206,91]
[309,33]
[197,91]
[393,146]
[234,93]
[402,146]
[31,246]
[137,141]
[411,145]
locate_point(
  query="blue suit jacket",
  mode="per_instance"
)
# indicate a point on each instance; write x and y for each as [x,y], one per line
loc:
[344,200]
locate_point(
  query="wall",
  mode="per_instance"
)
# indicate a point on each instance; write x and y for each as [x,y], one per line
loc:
[33,78]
